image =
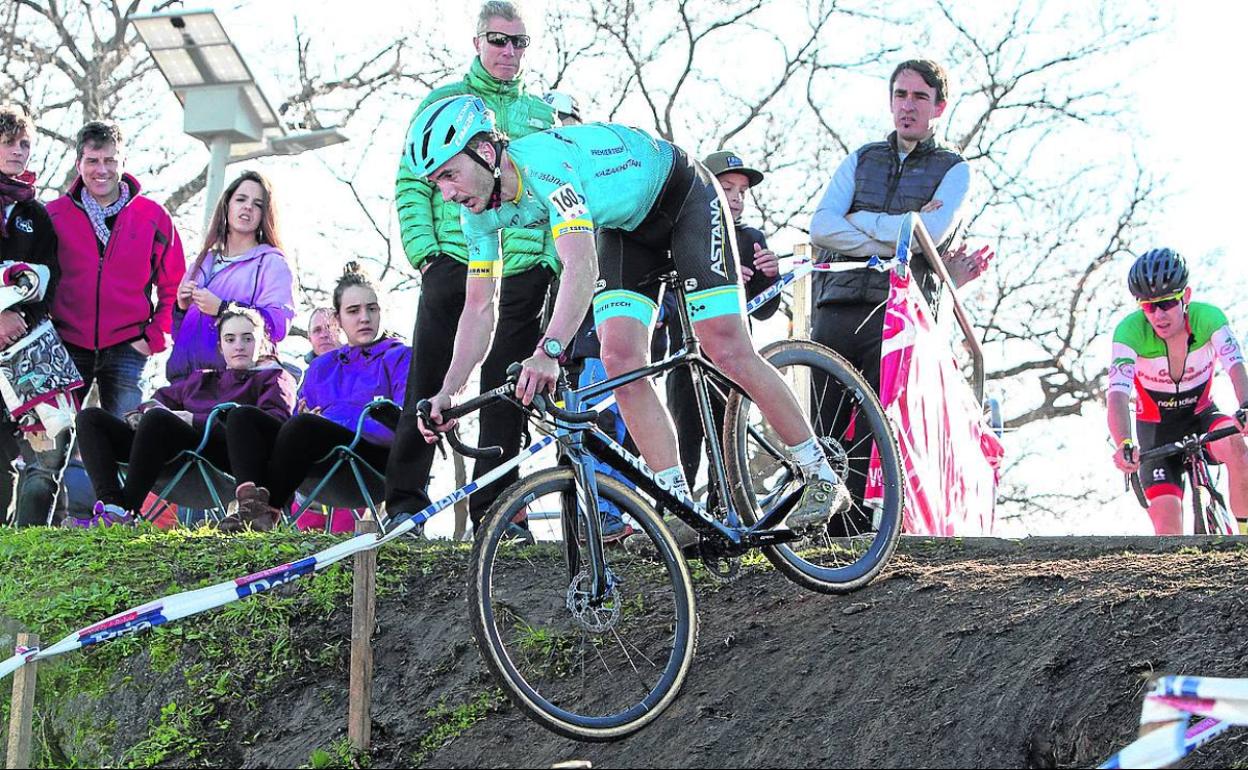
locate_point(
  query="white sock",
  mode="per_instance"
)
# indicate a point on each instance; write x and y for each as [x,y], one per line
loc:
[810,458]
[674,479]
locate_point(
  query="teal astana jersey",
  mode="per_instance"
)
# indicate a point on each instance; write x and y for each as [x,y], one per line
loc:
[1140,363]
[572,180]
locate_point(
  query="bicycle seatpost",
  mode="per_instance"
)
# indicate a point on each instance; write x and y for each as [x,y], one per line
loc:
[674,285]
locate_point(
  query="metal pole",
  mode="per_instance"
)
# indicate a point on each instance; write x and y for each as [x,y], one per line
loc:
[799,376]
[21,717]
[219,156]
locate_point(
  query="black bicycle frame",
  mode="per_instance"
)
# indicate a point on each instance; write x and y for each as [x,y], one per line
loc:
[581,443]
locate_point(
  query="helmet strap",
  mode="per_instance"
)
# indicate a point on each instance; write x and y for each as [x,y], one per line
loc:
[496,195]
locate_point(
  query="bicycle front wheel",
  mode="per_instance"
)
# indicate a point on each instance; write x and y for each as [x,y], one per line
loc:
[858,440]
[589,669]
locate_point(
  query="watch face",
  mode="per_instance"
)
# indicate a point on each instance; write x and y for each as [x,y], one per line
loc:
[553,348]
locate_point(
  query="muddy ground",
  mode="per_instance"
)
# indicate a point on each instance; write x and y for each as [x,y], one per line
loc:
[977,653]
[974,653]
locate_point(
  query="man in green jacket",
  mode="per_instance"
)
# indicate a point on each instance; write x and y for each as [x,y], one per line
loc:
[435,245]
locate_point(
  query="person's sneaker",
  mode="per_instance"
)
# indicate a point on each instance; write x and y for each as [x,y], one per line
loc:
[615,529]
[821,500]
[517,532]
[640,543]
[102,515]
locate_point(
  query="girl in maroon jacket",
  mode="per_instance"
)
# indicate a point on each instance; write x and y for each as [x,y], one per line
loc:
[175,420]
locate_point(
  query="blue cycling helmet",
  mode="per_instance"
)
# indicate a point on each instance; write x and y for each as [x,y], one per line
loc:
[443,129]
[1157,273]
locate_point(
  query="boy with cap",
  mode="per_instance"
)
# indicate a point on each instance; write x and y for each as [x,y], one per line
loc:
[759,269]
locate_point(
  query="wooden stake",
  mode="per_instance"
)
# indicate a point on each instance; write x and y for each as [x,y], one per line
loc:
[21,718]
[363,617]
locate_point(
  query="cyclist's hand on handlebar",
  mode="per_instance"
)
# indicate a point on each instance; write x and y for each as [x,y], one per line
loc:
[434,425]
[1241,419]
[1127,458]
[538,375]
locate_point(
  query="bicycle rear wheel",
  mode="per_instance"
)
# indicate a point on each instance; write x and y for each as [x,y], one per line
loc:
[593,672]
[858,440]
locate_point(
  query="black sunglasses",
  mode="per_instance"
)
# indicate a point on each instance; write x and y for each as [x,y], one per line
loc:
[501,39]
[1165,303]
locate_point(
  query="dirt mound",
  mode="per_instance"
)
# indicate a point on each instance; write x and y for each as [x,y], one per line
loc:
[975,653]
[972,654]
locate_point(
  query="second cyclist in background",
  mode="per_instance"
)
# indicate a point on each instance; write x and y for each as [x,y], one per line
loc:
[1166,352]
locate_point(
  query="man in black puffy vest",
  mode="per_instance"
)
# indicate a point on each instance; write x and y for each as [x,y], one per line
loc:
[865,204]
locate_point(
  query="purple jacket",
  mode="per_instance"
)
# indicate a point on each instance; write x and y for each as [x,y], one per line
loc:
[342,382]
[260,279]
[272,389]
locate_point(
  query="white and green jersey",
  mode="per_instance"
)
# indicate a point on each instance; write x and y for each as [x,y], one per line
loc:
[1140,363]
[572,179]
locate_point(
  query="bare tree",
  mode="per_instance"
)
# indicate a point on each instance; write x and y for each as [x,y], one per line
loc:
[1033,83]
[74,61]
[682,65]
[1059,226]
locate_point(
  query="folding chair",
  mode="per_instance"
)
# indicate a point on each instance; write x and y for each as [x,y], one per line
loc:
[191,481]
[330,485]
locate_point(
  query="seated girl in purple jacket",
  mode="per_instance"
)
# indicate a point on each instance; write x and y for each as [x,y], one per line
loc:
[175,418]
[241,264]
[270,458]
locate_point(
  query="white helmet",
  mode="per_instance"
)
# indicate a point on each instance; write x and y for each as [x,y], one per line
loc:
[563,103]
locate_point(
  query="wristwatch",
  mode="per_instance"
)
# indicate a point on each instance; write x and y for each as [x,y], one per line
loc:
[551,348]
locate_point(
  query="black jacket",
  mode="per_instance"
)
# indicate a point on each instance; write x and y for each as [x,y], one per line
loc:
[32,240]
[884,184]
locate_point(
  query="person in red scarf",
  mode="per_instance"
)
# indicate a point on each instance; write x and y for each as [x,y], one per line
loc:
[26,235]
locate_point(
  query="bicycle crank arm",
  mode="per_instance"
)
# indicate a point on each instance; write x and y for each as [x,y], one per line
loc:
[765,537]
[719,548]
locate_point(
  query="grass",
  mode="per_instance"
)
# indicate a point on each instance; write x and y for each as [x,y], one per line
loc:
[172,737]
[338,754]
[56,581]
[450,723]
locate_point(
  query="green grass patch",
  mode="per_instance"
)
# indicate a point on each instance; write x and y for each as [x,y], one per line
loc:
[57,581]
[338,754]
[450,723]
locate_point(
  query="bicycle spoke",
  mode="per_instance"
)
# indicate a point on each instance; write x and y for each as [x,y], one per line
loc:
[856,437]
[574,663]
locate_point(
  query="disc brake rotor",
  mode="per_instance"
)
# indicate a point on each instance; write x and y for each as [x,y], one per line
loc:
[598,617]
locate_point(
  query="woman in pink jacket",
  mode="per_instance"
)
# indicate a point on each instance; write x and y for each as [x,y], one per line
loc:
[240,265]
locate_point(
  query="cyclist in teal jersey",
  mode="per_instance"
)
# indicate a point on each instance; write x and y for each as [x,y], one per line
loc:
[1165,353]
[616,201]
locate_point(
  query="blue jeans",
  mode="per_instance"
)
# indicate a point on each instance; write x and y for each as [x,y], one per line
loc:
[613,425]
[40,481]
[117,369]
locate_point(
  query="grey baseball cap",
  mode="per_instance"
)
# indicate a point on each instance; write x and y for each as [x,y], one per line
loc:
[725,161]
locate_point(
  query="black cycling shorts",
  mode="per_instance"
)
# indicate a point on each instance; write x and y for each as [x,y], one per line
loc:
[688,227]
[1165,476]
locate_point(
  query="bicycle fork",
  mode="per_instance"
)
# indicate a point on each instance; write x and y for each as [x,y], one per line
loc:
[585,520]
